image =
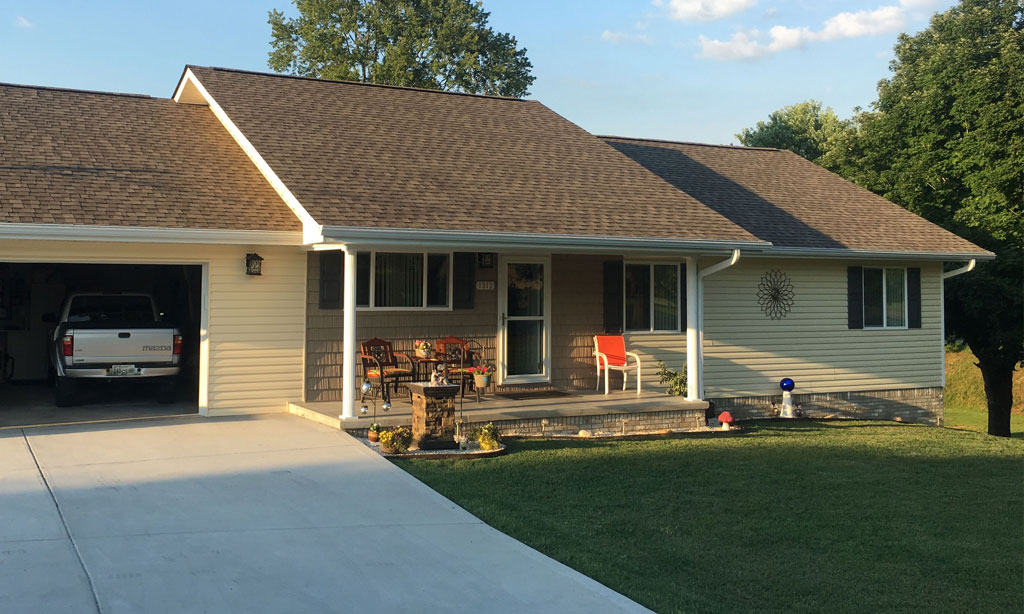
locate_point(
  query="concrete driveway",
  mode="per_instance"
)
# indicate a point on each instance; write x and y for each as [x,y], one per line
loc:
[254,514]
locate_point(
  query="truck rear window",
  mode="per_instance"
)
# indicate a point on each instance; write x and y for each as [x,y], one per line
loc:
[126,309]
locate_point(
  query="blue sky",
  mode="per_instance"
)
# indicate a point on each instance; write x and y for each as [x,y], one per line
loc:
[693,70]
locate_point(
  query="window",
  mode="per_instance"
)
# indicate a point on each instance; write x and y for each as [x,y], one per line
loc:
[651,297]
[885,298]
[389,280]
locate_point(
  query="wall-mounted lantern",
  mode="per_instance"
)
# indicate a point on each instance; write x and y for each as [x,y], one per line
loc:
[253,264]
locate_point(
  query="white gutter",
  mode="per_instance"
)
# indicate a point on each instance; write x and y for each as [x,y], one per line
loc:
[695,321]
[823,252]
[493,241]
[711,270]
[967,268]
[147,234]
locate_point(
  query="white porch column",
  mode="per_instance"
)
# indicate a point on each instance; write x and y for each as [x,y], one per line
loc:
[348,347]
[693,332]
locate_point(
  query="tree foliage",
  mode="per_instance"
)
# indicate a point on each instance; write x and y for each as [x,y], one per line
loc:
[945,139]
[807,129]
[433,44]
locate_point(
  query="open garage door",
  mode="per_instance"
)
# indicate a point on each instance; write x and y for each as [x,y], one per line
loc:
[33,301]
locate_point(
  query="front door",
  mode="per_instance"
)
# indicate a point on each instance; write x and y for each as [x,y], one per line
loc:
[524,327]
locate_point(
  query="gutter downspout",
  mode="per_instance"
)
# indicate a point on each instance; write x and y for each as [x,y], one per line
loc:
[967,268]
[695,321]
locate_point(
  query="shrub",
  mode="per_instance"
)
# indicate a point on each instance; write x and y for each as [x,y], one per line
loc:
[676,380]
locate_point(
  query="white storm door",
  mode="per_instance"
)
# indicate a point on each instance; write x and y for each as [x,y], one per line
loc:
[524,320]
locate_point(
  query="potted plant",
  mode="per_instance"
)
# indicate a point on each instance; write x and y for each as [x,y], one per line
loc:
[373,434]
[488,436]
[423,348]
[481,375]
[395,441]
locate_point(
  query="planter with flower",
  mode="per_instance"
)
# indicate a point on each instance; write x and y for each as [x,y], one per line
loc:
[481,375]
[423,348]
[395,441]
[373,433]
[488,436]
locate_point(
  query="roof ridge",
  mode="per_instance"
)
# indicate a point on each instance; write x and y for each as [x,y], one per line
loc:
[77,91]
[633,138]
[360,83]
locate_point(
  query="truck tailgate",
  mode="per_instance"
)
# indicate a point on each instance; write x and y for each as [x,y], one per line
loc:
[126,345]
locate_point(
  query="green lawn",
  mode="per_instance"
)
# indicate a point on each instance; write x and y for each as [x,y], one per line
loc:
[808,516]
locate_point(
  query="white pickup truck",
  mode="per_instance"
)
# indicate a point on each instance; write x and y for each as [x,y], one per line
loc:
[113,336]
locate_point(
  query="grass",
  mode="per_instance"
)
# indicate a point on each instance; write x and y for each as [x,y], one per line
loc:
[965,396]
[795,516]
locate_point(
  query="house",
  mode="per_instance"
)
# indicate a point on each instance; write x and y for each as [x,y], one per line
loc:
[399,213]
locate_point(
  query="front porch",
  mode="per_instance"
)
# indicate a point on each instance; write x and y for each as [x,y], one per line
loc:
[545,413]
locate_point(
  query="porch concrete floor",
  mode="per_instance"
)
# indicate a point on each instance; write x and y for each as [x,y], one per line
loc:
[493,407]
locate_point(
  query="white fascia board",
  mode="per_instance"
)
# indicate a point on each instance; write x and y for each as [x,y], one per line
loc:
[509,241]
[312,231]
[863,254]
[147,234]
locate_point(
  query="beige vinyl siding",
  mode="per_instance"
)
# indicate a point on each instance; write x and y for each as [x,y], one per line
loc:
[746,353]
[256,325]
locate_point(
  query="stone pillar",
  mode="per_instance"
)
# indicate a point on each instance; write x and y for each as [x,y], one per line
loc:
[433,416]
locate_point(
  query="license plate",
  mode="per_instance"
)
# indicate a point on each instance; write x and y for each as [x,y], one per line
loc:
[123,370]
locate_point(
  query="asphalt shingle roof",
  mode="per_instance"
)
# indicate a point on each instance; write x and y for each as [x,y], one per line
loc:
[73,157]
[787,200]
[361,155]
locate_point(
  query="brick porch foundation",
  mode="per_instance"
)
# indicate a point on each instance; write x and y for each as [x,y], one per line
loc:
[919,405]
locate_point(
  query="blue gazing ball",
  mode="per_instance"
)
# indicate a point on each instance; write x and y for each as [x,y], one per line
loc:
[787,384]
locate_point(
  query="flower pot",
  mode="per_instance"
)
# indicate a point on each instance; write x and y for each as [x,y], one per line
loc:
[481,381]
[388,450]
[424,353]
[373,435]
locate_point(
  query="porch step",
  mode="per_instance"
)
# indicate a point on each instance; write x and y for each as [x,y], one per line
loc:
[314,415]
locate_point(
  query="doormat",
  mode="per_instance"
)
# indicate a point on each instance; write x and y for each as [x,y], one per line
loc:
[530,395]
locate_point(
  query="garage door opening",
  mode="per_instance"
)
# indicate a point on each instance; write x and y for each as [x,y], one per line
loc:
[93,320]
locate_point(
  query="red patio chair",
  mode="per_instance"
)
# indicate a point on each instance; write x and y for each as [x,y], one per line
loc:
[610,352]
[380,365]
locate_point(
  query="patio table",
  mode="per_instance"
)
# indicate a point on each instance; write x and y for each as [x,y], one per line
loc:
[418,362]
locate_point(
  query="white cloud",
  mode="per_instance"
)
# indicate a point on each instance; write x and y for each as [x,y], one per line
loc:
[22,22]
[749,45]
[704,10]
[624,38]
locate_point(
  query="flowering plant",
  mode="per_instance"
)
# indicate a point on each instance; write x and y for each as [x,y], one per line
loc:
[481,370]
[397,439]
[375,427]
[422,345]
[489,436]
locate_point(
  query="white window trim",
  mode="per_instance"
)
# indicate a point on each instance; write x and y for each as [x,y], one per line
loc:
[425,254]
[679,302]
[885,308]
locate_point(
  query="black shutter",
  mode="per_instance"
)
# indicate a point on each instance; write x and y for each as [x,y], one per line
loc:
[855,296]
[914,298]
[682,297]
[332,264]
[613,296]
[464,280]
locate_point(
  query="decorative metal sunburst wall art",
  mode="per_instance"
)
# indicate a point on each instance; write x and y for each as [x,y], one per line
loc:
[775,294]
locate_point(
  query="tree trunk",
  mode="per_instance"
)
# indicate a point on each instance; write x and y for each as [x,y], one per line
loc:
[998,378]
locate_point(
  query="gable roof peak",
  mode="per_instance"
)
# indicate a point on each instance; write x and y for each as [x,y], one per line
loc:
[356,83]
[690,143]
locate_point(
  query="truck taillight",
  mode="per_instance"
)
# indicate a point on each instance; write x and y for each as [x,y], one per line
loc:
[68,344]
[177,344]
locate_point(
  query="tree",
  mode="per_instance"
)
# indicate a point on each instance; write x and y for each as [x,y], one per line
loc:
[945,139]
[804,128]
[433,44]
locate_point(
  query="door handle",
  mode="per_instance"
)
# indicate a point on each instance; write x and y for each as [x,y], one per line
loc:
[504,318]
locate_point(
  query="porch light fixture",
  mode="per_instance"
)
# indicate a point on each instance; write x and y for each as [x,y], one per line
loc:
[253,264]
